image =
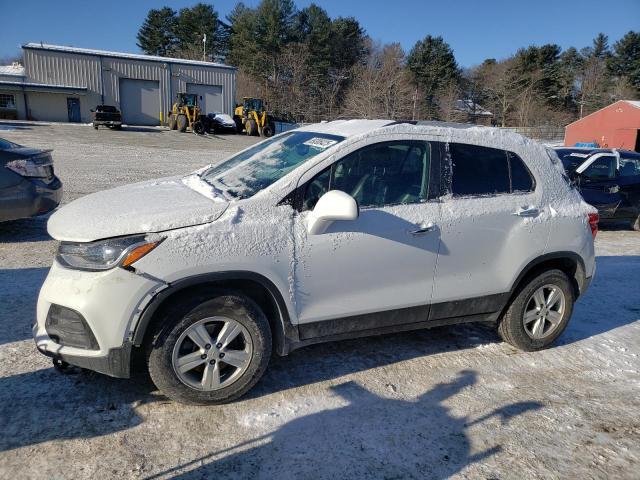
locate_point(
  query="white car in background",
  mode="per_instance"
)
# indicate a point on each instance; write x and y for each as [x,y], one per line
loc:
[330,231]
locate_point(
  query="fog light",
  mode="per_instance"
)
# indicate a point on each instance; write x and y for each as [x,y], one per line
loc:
[68,328]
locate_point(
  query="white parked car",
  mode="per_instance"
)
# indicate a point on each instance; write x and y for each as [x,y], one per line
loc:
[330,231]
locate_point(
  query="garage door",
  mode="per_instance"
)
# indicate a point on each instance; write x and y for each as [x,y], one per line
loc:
[140,101]
[210,96]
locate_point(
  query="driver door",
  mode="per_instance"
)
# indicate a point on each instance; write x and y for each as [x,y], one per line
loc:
[377,270]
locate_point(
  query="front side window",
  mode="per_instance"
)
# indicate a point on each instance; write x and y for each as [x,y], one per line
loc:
[7,101]
[479,170]
[603,168]
[255,169]
[389,173]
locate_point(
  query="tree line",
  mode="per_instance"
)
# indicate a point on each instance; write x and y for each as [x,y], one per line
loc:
[310,67]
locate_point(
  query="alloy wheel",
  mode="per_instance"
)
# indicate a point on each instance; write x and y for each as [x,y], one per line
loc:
[544,311]
[212,353]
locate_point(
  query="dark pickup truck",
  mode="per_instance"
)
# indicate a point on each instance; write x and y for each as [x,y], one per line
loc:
[108,116]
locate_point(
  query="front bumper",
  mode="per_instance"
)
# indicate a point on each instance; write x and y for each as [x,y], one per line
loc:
[29,198]
[109,301]
[117,362]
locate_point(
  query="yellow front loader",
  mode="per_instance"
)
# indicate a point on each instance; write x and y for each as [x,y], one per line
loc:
[252,118]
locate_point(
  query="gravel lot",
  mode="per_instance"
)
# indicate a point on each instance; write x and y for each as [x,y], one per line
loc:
[448,402]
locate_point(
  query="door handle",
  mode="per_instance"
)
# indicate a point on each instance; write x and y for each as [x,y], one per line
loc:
[527,212]
[422,229]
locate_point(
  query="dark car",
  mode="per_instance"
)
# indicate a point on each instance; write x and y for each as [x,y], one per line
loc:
[222,123]
[608,179]
[106,115]
[28,186]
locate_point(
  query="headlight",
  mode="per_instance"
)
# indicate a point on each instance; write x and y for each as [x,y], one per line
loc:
[105,254]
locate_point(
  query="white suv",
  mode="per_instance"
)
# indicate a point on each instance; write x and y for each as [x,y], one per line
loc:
[331,231]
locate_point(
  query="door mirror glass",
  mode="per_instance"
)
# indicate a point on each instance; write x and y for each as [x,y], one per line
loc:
[333,206]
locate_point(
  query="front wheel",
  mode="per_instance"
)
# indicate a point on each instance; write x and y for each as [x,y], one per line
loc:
[539,312]
[210,351]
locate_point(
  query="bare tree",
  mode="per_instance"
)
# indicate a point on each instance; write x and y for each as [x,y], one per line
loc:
[381,87]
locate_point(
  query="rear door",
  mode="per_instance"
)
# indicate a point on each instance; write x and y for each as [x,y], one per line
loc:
[599,183]
[489,229]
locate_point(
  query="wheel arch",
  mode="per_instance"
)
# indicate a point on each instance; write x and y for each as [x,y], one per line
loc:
[570,263]
[255,286]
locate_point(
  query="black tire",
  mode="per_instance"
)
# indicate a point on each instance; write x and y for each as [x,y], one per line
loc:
[635,224]
[511,326]
[178,318]
[239,125]
[172,122]
[198,128]
[117,127]
[267,131]
[182,123]
[95,126]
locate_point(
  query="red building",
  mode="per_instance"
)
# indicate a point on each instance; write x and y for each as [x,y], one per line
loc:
[615,126]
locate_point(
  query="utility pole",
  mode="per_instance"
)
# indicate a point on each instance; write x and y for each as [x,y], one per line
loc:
[204,47]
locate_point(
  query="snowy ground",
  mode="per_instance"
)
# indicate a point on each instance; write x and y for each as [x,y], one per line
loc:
[448,402]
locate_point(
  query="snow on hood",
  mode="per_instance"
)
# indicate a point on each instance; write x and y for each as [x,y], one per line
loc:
[145,207]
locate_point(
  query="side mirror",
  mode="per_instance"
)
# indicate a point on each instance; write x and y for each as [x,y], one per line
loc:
[332,206]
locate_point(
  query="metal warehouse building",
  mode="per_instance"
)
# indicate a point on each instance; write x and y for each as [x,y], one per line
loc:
[63,84]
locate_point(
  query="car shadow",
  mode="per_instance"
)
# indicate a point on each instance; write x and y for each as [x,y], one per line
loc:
[134,128]
[369,437]
[32,229]
[8,126]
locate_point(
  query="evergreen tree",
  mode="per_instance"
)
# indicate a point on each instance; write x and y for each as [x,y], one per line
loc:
[348,43]
[600,47]
[433,65]
[192,24]
[625,61]
[157,34]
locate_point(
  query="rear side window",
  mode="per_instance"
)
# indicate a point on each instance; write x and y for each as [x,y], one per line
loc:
[521,179]
[629,166]
[486,171]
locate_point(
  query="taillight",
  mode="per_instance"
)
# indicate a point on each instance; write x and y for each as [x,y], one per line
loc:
[36,166]
[594,218]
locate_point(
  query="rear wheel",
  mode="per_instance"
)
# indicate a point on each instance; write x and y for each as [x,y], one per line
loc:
[172,122]
[267,131]
[239,125]
[210,351]
[182,123]
[95,126]
[539,312]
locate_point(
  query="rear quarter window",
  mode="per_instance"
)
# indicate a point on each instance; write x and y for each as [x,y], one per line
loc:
[477,171]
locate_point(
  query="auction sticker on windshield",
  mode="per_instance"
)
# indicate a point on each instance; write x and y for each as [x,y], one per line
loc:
[320,143]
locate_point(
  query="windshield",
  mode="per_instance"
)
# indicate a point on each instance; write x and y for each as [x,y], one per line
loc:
[255,169]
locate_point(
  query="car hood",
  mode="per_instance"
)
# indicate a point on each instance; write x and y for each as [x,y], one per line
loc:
[146,207]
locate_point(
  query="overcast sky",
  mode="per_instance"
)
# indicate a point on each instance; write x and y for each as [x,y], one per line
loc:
[475,29]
